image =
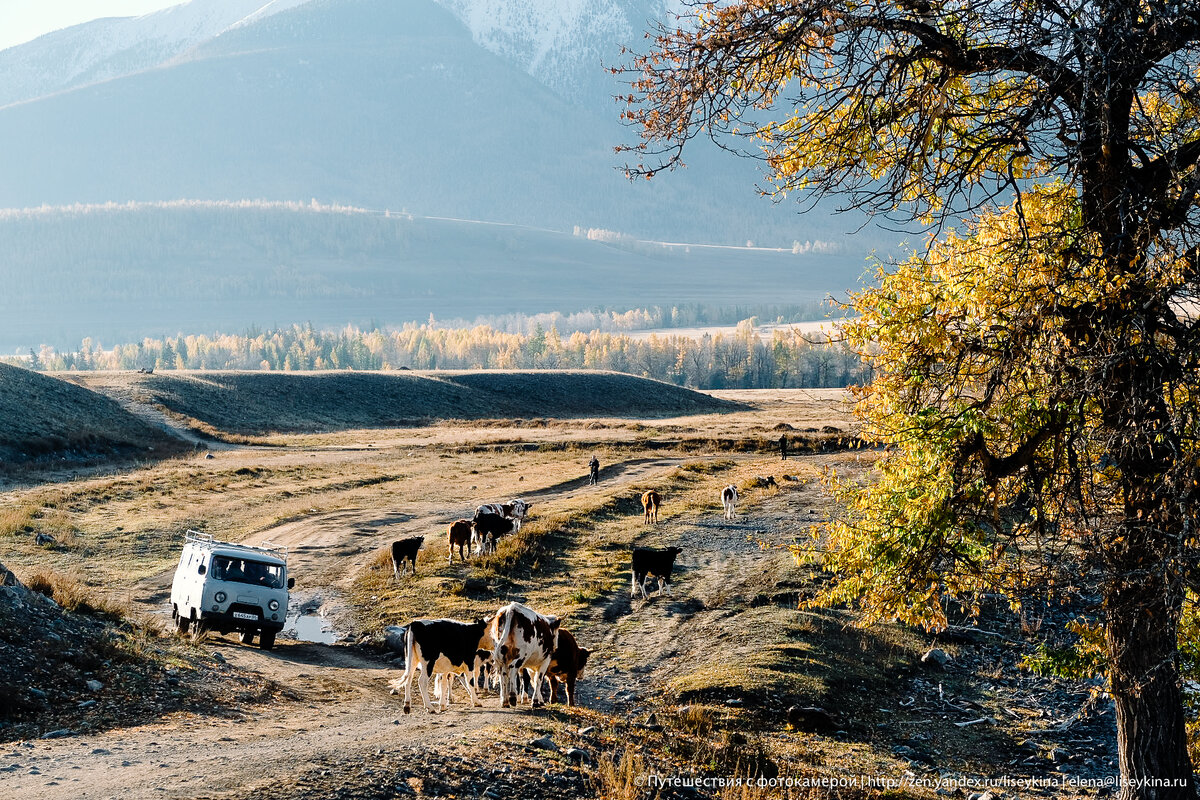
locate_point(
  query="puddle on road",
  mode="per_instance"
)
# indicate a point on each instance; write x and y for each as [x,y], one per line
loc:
[311,628]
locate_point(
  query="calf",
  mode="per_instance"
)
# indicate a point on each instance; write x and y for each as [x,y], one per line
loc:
[490,527]
[651,500]
[403,551]
[525,640]
[567,665]
[729,498]
[460,537]
[444,648]
[649,561]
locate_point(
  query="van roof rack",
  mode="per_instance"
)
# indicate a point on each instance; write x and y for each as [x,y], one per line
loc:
[207,540]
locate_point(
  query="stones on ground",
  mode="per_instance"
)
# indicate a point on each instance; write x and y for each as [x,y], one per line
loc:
[936,658]
[810,719]
[544,743]
[58,734]
[578,755]
[218,658]
[590,729]
[94,685]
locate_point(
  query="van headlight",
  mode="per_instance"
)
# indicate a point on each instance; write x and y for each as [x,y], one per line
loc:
[220,597]
[273,605]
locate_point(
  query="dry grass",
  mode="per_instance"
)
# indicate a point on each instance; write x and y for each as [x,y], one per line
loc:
[72,594]
[621,777]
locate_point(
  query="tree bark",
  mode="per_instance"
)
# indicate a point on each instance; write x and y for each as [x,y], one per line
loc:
[1144,674]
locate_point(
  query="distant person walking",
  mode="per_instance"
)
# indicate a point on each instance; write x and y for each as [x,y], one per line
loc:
[783,447]
[594,470]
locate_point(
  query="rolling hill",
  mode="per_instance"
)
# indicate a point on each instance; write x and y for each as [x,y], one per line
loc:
[46,418]
[270,402]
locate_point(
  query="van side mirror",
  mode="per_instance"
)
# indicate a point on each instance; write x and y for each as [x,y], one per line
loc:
[202,569]
[291,582]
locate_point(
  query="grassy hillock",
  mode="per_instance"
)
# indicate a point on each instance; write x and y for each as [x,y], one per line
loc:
[278,402]
[43,417]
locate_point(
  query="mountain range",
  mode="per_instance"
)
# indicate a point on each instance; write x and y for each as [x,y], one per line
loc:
[490,110]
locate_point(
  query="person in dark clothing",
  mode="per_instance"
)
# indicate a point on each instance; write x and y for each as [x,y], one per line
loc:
[594,469]
[783,447]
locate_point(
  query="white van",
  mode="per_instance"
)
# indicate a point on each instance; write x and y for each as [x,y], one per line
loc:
[225,587]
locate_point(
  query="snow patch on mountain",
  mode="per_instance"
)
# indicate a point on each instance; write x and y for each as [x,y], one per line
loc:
[567,45]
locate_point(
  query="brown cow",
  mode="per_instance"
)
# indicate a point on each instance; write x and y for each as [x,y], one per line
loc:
[567,665]
[651,500]
[460,537]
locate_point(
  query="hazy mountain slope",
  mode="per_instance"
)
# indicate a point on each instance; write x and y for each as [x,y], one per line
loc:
[117,46]
[366,102]
[118,274]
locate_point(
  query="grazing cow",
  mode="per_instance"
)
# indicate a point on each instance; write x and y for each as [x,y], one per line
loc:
[525,640]
[649,561]
[567,665]
[441,647]
[403,551]
[460,537]
[729,498]
[490,527]
[516,510]
[651,500]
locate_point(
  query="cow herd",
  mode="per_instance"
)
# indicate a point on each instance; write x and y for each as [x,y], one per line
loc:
[515,649]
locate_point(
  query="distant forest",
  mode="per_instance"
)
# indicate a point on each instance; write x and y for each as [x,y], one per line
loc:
[737,360]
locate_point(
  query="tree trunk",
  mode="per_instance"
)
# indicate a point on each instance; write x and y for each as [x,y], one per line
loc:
[1151,740]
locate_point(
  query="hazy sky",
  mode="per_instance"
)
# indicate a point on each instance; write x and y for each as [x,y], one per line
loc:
[22,20]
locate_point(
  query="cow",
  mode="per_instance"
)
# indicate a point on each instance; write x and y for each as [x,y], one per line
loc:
[442,648]
[729,498]
[525,640]
[649,561]
[566,666]
[515,510]
[490,527]
[460,536]
[405,550]
[651,500]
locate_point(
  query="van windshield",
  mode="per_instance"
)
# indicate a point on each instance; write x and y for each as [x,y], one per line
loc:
[244,570]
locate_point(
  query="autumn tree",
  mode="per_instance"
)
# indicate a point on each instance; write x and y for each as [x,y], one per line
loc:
[1037,372]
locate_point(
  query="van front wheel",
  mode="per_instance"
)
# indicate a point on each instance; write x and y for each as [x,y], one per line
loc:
[246,637]
[181,624]
[266,640]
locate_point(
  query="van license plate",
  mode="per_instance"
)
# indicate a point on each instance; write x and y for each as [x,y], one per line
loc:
[242,615]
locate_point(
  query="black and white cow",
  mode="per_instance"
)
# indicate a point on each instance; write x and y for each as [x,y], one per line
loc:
[525,640]
[404,552]
[516,510]
[649,561]
[729,499]
[488,528]
[443,649]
